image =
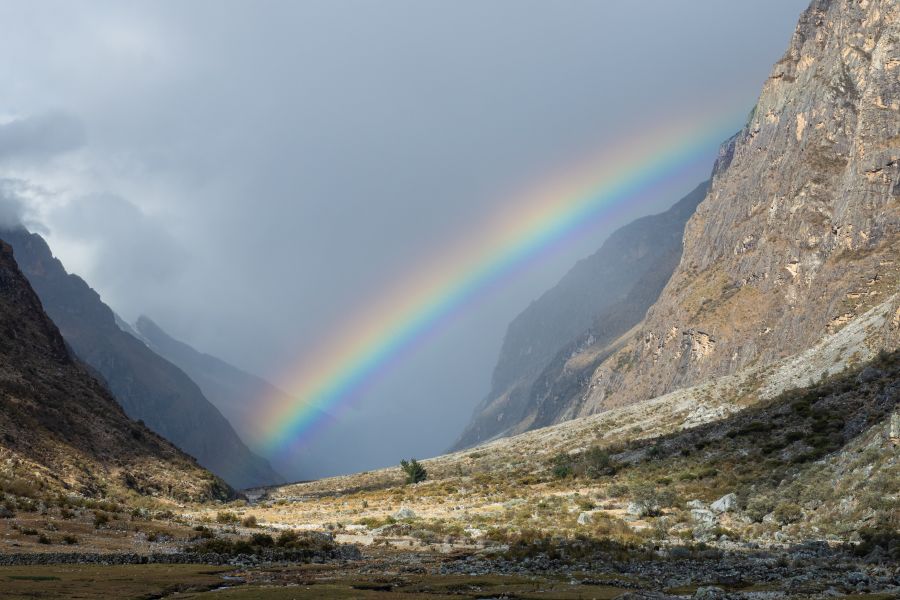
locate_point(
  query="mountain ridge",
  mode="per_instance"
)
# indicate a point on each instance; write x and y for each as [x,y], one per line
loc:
[147,386]
[600,297]
[61,429]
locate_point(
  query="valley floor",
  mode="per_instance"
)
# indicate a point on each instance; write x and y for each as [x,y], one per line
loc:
[804,572]
[779,482]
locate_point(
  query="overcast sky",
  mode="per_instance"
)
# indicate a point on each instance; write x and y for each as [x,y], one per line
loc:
[248,174]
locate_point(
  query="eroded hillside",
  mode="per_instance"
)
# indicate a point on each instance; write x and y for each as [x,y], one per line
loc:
[61,432]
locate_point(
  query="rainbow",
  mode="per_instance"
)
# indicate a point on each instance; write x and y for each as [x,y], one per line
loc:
[346,364]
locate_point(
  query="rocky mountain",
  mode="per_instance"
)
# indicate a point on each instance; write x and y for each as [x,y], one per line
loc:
[800,230]
[797,235]
[597,301]
[147,386]
[61,430]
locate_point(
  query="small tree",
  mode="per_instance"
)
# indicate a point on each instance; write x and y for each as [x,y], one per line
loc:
[415,472]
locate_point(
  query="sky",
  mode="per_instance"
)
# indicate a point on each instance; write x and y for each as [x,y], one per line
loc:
[252,174]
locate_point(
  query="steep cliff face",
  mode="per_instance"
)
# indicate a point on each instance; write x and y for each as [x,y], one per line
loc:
[600,299]
[60,429]
[800,230]
[147,386]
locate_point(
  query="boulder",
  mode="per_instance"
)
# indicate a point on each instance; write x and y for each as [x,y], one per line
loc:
[585,518]
[405,513]
[709,593]
[727,503]
[703,516]
[641,509]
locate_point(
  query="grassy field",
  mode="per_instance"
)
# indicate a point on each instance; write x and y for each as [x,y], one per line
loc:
[90,582]
[97,582]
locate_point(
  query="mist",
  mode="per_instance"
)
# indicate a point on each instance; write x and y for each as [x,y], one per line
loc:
[250,175]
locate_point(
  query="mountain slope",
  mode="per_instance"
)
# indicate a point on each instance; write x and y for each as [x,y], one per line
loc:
[800,231]
[804,449]
[597,301]
[236,393]
[60,429]
[147,386]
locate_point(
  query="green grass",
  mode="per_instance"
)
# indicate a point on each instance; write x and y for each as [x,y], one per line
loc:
[98,582]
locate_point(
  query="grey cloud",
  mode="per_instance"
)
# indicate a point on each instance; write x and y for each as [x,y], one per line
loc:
[11,208]
[41,136]
[128,245]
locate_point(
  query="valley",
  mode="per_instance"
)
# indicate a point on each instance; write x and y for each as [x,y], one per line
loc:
[705,408]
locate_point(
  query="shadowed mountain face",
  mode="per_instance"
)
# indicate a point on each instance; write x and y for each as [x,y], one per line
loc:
[240,396]
[147,386]
[600,299]
[60,429]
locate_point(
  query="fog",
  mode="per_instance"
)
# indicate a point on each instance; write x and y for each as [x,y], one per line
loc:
[251,174]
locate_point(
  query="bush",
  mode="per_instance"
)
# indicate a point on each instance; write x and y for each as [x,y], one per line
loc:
[70,539]
[561,466]
[787,512]
[597,463]
[648,500]
[249,521]
[415,472]
[758,507]
[263,540]
[43,539]
[100,519]
[227,518]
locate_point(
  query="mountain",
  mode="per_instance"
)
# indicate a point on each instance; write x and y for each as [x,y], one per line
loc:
[800,230]
[61,430]
[796,236]
[236,393]
[146,385]
[598,300]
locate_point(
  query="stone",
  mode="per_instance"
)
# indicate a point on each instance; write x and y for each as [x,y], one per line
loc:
[585,518]
[405,513]
[641,509]
[703,516]
[696,504]
[709,593]
[727,503]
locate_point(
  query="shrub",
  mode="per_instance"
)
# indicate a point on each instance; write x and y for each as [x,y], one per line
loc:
[758,507]
[263,540]
[227,518]
[70,539]
[43,539]
[414,471]
[286,538]
[249,521]
[561,466]
[646,498]
[787,512]
[100,519]
[597,463]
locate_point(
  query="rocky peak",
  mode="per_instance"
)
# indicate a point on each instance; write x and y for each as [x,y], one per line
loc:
[799,231]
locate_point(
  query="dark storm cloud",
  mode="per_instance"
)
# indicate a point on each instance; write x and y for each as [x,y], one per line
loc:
[41,136]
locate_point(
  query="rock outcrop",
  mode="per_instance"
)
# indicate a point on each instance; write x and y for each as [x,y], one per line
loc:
[800,230]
